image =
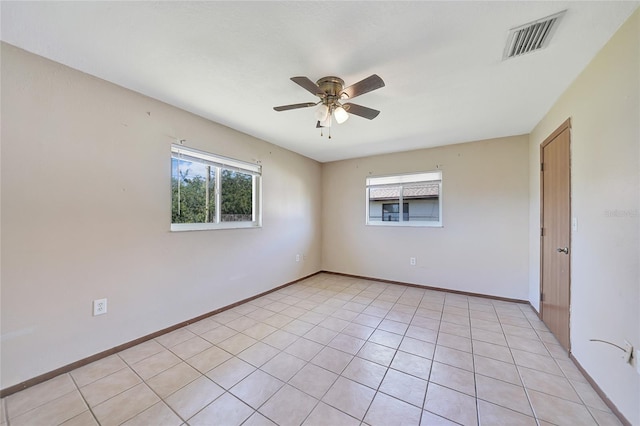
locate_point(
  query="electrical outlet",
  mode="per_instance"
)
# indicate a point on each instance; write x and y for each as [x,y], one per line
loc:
[99,307]
[628,352]
[297,258]
[412,261]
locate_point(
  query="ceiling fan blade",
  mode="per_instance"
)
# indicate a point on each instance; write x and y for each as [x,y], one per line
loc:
[370,83]
[294,106]
[361,111]
[308,85]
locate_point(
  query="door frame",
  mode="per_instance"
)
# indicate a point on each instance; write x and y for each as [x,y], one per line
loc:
[566,125]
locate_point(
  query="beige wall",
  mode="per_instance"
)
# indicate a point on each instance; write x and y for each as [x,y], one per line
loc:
[483,245]
[86,215]
[603,104]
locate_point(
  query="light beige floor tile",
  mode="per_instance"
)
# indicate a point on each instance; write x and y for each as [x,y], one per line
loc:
[158,415]
[451,405]
[491,350]
[549,384]
[604,418]
[349,397]
[385,338]
[503,394]
[417,347]
[284,366]
[332,359]
[172,379]
[368,320]
[412,364]
[155,364]
[289,406]
[208,359]
[313,380]
[430,419]
[256,388]
[589,396]
[225,317]
[454,357]
[454,342]
[203,326]
[335,324]
[346,343]
[126,405]
[242,323]
[276,306]
[455,319]
[297,327]
[259,331]
[324,415]
[516,321]
[497,369]
[379,354]
[358,330]
[421,333]
[258,354]
[321,335]
[453,378]
[226,410]
[244,309]
[488,336]
[557,351]
[293,311]
[35,396]
[260,314]
[388,411]
[537,362]
[280,339]
[304,349]
[191,347]
[365,372]
[83,419]
[528,345]
[178,336]
[486,325]
[405,387]
[570,371]
[97,370]
[456,329]
[237,343]
[428,323]
[194,397]
[109,386]
[219,334]
[258,419]
[393,326]
[345,314]
[450,309]
[559,411]
[494,415]
[230,372]
[526,332]
[278,320]
[53,412]
[139,352]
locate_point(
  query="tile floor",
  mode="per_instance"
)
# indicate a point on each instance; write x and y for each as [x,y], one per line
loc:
[331,350]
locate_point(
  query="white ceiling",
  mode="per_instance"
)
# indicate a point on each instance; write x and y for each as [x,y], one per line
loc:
[231,62]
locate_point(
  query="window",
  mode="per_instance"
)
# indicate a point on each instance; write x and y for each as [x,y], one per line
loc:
[419,194]
[213,192]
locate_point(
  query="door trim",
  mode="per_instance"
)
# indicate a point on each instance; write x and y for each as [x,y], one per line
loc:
[566,125]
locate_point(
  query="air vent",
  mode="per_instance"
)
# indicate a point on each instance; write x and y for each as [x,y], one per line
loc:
[532,36]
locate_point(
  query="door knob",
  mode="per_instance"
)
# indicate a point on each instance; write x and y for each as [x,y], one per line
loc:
[564,250]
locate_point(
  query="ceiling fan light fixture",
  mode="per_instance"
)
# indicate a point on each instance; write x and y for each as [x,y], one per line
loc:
[322,112]
[326,122]
[341,115]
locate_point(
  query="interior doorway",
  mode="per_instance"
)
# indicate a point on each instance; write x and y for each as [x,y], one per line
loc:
[555,232]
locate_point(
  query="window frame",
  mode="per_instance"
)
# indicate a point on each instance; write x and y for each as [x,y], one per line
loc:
[219,162]
[401,180]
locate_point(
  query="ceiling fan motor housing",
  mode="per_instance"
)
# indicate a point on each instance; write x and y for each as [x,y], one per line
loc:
[331,86]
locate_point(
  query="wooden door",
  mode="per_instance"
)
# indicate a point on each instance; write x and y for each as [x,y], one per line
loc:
[555,233]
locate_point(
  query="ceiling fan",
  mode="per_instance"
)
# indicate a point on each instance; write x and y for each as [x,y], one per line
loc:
[331,92]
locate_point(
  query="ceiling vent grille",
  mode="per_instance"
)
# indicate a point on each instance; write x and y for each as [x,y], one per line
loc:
[532,36]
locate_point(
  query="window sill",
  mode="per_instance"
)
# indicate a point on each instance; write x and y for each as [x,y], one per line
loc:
[183,227]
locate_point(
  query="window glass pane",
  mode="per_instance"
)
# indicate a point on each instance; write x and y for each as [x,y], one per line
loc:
[381,196]
[192,192]
[423,198]
[236,196]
